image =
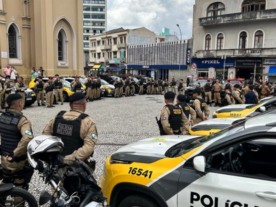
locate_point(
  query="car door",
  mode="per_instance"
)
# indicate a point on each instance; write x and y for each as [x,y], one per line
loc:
[223,189]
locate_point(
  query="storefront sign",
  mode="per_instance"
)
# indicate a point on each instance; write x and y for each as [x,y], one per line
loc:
[231,73]
[213,62]
[114,61]
[248,62]
[188,57]
[146,66]
[212,73]
[269,62]
[4,54]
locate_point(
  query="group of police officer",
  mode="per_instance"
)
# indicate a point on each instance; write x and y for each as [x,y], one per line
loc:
[79,138]
[128,84]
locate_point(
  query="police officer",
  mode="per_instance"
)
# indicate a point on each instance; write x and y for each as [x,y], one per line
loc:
[228,86]
[99,84]
[38,87]
[94,88]
[141,86]
[88,85]
[117,88]
[208,92]
[265,91]
[173,85]
[173,120]
[121,85]
[237,94]
[8,87]
[181,87]
[132,87]
[16,133]
[187,110]
[200,107]
[58,89]
[160,86]
[49,88]
[228,99]
[217,89]
[127,87]
[20,89]
[155,87]
[75,128]
[76,85]
[152,87]
[166,85]
[148,86]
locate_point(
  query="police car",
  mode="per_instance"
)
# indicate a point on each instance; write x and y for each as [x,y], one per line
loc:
[235,167]
[245,110]
[212,126]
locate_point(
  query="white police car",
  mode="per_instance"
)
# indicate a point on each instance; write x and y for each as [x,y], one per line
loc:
[235,167]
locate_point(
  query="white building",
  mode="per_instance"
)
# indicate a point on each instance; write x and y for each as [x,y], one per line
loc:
[94,22]
[243,31]
[108,50]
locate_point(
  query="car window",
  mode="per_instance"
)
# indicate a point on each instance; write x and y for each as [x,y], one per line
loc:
[202,82]
[103,82]
[66,84]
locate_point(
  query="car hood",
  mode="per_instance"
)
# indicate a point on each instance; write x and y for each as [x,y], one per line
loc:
[230,108]
[190,88]
[148,150]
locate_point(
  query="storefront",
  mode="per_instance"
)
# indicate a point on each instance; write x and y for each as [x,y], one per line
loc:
[212,67]
[268,68]
[245,67]
[155,71]
[96,69]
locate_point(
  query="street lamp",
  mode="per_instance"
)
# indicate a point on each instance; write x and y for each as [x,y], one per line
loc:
[179,48]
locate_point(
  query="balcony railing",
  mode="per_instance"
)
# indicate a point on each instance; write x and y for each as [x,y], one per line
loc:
[106,47]
[253,52]
[121,45]
[238,17]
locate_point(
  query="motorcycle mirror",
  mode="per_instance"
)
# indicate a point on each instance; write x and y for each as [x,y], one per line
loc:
[44,197]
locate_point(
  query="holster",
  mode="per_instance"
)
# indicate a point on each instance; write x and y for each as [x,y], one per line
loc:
[91,164]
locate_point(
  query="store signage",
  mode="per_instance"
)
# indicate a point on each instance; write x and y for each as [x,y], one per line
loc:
[269,62]
[146,66]
[213,62]
[212,73]
[188,57]
[114,61]
[248,62]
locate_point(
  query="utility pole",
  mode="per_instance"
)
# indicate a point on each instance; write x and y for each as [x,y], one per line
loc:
[179,48]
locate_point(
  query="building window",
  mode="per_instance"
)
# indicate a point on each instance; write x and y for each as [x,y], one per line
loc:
[115,41]
[115,54]
[242,40]
[62,46]
[103,42]
[253,5]
[98,43]
[258,42]
[12,42]
[220,40]
[121,40]
[208,42]
[99,55]
[215,9]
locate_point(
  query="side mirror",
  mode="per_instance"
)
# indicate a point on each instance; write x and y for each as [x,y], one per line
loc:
[262,109]
[200,164]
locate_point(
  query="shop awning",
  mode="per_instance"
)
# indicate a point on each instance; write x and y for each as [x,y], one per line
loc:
[96,66]
[272,70]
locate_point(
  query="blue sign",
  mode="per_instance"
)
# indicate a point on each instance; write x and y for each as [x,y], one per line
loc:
[213,62]
[160,67]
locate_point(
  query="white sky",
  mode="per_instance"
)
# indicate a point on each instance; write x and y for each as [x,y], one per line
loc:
[152,14]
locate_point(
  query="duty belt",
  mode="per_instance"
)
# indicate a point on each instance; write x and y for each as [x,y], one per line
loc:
[58,87]
[216,91]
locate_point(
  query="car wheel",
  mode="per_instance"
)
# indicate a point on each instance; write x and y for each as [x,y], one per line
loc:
[137,201]
[65,96]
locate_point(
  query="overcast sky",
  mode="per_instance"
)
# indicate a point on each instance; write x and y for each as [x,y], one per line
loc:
[152,14]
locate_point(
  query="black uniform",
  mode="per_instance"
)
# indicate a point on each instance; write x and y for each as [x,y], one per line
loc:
[175,118]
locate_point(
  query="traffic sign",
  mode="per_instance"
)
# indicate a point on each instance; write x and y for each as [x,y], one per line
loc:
[194,66]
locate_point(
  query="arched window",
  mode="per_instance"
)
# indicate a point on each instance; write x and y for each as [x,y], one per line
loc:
[253,5]
[62,46]
[208,42]
[12,42]
[220,40]
[243,40]
[258,40]
[215,9]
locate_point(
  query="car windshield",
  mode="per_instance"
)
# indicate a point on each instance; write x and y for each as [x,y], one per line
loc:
[202,82]
[103,82]
[187,146]
[66,84]
[82,80]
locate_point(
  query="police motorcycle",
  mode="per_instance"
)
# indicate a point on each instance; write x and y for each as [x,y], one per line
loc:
[72,181]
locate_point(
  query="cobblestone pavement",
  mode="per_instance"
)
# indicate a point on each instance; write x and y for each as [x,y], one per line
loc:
[119,122]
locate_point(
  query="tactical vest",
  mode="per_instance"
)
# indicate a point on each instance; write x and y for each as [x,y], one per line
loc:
[116,85]
[166,84]
[228,86]
[89,84]
[77,87]
[185,108]
[94,85]
[10,135]
[148,83]
[21,85]
[69,132]
[202,105]
[155,85]
[127,83]
[40,86]
[208,87]
[175,117]
[224,101]
[173,83]
[180,86]
[160,83]
[58,84]
[50,87]
[99,84]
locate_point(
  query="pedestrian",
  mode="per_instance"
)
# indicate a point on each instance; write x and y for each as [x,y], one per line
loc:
[265,91]
[148,86]
[160,86]
[173,120]
[237,94]
[20,89]
[117,88]
[14,74]
[76,85]
[188,81]
[217,88]
[208,92]
[58,89]
[41,71]
[250,97]
[187,110]
[173,85]
[36,74]
[181,87]
[228,99]
[49,88]
[33,73]
[132,87]
[7,72]
[166,86]
[200,107]
[88,85]
[127,87]
[81,135]
[141,86]
[121,84]
[15,136]
[99,84]
[38,88]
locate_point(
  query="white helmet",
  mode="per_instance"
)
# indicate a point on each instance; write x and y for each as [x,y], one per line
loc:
[40,147]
